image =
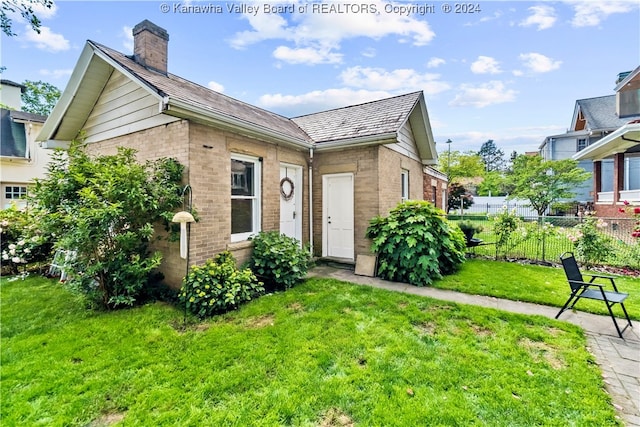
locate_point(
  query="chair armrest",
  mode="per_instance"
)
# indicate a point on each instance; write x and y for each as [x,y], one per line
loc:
[603,276]
[586,284]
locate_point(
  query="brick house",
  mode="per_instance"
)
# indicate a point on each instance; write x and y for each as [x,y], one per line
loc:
[319,177]
[616,156]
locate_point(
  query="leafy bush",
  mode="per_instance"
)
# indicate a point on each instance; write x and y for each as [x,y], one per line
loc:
[279,260]
[21,238]
[218,286]
[416,244]
[104,209]
[591,244]
[505,224]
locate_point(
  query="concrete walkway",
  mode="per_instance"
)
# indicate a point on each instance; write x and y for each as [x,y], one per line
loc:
[618,358]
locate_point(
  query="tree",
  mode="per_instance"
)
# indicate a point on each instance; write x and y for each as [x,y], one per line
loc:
[492,156]
[460,165]
[104,208]
[39,97]
[458,196]
[543,182]
[25,9]
[493,184]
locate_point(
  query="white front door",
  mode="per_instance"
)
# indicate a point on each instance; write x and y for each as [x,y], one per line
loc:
[291,201]
[337,216]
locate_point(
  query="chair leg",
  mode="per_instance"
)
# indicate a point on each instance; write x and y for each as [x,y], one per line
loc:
[562,310]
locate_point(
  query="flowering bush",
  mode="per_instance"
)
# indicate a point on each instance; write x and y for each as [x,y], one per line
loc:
[634,211]
[21,238]
[218,286]
[505,224]
[591,244]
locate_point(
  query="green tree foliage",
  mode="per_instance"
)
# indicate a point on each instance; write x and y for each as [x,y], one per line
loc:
[460,165]
[25,9]
[39,97]
[492,156]
[458,195]
[416,244]
[104,208]
[494,184]
[543,182]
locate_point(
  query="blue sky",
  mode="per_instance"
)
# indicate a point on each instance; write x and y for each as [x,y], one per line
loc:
[510,71]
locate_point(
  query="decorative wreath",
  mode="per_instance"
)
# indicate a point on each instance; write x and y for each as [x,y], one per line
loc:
[286,193]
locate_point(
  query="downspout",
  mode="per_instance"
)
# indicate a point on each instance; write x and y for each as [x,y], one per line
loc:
[311,201]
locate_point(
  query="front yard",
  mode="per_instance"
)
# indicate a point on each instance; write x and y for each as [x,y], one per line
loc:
[325,353]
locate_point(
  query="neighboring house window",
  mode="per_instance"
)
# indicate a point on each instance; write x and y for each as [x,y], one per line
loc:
[582,144]
[14,137]
[12,192]
[405,185]
[245,197]
[434,194]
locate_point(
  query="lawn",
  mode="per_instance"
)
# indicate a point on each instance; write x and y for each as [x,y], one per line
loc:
[533,283]
[325,353]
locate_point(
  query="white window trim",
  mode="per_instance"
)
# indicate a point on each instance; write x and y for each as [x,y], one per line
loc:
[404,185]
[257,207]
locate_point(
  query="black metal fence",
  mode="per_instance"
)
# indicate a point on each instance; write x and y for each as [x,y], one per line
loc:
[546,238]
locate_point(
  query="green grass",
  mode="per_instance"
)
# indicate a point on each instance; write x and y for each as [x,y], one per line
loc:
[533,283]
[324,353]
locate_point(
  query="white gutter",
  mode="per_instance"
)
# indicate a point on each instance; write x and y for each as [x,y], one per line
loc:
[599,150]
[180,108]
[387,138]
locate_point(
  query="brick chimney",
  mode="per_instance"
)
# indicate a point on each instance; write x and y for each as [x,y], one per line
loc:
[150,44]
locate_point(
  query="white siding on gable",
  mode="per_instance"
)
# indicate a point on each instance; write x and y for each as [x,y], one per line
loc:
[123,107]
[406,144]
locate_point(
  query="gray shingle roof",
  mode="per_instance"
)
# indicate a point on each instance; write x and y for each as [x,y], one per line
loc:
[178,88]
[600,113]
[372,118]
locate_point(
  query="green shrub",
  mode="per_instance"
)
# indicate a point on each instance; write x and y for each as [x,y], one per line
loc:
[280,261]
[591,244]
[218,286]
[22,240]
[416,244]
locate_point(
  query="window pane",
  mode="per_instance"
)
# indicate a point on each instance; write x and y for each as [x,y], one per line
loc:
[241,216]
[242,178]
[606,182]
[633,173]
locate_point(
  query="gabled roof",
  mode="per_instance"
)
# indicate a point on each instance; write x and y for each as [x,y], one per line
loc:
[371,122]
[374,122]
[630,76]
[599,113]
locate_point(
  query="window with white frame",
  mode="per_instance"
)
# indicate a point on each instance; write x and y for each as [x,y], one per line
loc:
[245,197]
[14,192]
[582,144]
[405,184]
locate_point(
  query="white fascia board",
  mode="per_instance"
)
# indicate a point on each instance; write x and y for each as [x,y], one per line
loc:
[52,144]
[179,108]
[601,149]
[69,93]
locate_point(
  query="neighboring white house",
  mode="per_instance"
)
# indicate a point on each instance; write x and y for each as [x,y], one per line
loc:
[21,157]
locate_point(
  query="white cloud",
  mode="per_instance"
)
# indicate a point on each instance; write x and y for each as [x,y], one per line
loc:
[403,79]
[329,29]
[56,74]
[369,52]
[485,65]
[538,63]
[318,100]
[590,14]
[493,92]
[306,55]
[435,62]
[47,39]
[43,12]
[542,16]
[215,86]
[127,35]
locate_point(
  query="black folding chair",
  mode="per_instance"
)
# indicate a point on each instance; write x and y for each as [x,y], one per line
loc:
[590,290]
